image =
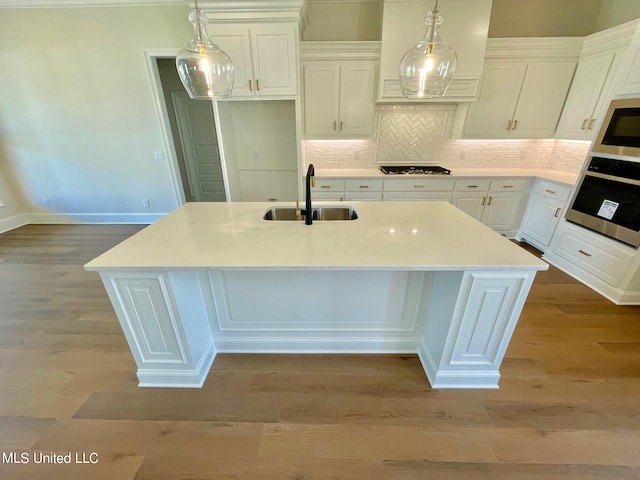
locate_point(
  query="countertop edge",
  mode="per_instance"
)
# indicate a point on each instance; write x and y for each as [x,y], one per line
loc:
[567,178]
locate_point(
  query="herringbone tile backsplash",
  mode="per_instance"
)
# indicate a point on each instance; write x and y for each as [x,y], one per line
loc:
[421,134]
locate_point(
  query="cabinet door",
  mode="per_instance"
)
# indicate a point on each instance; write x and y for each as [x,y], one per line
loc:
[541,219]
[274,59]
[501,210]
[471,203]
[489,117]
[321,98]
[357,85]
[541,99]
[585,90]
[235,43]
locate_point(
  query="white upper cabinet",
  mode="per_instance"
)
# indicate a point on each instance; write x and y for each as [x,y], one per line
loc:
[579,114]
[591,89]
[264,57]
[339,80]
[519,99]
[339,98]
[628,78]
[524,87]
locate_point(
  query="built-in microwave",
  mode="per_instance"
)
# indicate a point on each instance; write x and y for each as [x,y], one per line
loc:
[620,130]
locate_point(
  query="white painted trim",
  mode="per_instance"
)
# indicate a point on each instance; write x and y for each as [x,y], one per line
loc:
[610,39]
[611,293]
[459,379]
[334,50]
[543,47]
[93,218]
[15,221]
[86,3]
[316,343]
[179,378]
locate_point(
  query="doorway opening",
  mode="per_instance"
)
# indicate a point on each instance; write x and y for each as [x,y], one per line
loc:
[193,130]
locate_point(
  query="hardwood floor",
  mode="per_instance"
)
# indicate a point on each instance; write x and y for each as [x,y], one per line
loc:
[568,406]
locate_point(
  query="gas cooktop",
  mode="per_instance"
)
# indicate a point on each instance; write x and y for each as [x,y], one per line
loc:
[414,170]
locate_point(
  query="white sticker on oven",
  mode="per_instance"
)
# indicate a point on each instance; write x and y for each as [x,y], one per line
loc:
[608,209]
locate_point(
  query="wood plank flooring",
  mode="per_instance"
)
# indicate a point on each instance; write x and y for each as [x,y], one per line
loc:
[568,407]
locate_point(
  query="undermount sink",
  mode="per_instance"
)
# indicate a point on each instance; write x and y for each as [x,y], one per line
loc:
[319,213]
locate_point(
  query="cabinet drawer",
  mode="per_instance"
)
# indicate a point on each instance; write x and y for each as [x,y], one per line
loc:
[553,190]
[510,185]
[419,196]
[472,185]
[364,185]
[593,254]
[328,185]
[418,184]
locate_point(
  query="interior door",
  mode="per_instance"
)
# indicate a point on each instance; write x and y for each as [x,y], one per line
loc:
[197,129]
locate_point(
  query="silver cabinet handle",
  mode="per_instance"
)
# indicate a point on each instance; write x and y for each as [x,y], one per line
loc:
[418,186]
[489,202]
[584,124]
[590,127]
[257,84]
[484,199]
[325,186]
[340,125]
[515,124]
[508,125]
[557,212]
[363,186]
[584,253]
[334,125]
[507,186]
[250,89]
[550,191]
[472,186]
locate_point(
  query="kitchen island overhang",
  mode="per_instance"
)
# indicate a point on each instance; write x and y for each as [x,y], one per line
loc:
[405,277]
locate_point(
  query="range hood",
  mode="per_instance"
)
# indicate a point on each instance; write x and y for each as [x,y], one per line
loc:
[465,28]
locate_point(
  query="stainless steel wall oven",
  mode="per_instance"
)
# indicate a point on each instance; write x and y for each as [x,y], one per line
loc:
[607,199]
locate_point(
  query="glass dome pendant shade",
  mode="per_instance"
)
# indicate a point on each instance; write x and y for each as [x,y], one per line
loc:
[427,68]
[205,70]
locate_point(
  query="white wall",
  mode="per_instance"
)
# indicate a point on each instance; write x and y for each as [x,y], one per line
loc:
[78,125]
[260,149]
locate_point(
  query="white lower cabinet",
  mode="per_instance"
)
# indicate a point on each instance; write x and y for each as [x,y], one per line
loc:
[363,189]
[544,210]
[593,253]
[496,203]
[418,189]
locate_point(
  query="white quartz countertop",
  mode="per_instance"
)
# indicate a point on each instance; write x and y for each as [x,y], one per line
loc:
[412,235]
[548,174]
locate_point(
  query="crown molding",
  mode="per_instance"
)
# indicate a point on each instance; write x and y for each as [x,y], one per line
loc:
[610,39]
[339,50]
[86,3]
[545,47]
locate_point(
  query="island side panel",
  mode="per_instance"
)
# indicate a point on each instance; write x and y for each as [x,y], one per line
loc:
[316,311]
[165,321]
[487,309]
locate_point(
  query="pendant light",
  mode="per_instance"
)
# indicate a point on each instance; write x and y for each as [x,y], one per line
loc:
[205,70]
[427,68]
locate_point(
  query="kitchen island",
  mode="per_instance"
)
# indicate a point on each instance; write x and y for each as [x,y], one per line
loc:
[404,277]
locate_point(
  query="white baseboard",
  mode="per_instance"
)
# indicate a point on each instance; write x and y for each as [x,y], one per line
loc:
[179,378]
[13,222]
[456,379]
[611,293]
[98,218]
